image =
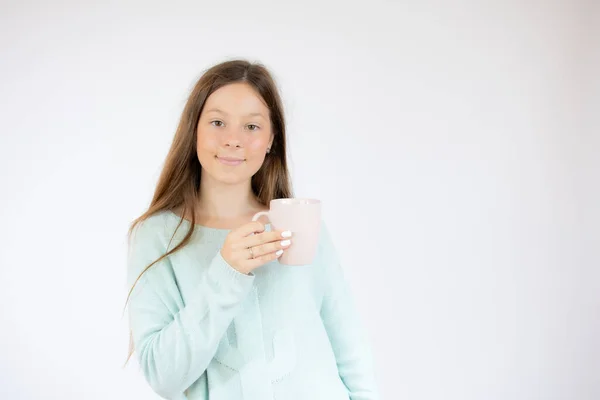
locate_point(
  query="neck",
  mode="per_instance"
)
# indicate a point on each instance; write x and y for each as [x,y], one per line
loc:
[222,202]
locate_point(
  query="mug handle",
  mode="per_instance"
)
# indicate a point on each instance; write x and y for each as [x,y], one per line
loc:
[259,214]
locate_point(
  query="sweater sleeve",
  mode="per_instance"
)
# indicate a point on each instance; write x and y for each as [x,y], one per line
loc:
[175,343]
[344,328]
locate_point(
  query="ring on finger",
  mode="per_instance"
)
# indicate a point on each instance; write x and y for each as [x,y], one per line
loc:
[251,252]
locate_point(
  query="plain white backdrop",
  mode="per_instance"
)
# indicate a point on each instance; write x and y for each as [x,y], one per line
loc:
[455,148]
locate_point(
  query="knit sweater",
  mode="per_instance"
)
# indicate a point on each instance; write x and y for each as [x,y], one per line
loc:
[202,330]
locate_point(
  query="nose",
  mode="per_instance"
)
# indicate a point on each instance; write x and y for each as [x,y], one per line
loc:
[232,139]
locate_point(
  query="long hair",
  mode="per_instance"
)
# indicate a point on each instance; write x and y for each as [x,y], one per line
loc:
[179,182]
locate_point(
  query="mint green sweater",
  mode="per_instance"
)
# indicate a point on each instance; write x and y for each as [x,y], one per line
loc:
[203,330]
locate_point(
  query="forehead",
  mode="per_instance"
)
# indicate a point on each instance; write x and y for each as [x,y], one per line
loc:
[236,98]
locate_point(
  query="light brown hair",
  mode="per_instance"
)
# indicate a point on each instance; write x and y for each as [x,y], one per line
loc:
[179,182]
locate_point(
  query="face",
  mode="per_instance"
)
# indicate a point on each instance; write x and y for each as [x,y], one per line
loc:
[234,133]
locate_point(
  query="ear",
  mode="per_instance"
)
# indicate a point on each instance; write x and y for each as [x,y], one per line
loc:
[270,143]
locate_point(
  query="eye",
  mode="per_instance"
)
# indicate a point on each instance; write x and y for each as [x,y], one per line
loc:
[217,123]
[252,127]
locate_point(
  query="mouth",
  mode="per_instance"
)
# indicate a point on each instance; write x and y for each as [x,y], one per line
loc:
[230,160]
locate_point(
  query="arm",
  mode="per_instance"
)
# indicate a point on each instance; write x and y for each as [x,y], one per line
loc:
[175,343]
[346,334]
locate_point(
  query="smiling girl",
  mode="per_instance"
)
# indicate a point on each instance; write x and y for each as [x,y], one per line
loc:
[212,314]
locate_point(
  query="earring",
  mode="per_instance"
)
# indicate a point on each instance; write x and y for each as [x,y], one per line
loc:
[268,150]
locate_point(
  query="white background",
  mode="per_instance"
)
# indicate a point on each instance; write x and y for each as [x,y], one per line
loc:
[455,147]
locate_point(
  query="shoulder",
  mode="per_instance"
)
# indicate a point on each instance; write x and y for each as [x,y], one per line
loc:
[148,241]
[158,227]
[327,266]
[149,237]
[325,238]
[326,248]
[153,224]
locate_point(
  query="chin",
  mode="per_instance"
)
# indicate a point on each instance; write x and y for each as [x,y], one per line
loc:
[226,178]
[234,176]
[231,180]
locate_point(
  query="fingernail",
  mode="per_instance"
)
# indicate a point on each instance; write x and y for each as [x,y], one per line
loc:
[285,243]
[286,234]
[278,253]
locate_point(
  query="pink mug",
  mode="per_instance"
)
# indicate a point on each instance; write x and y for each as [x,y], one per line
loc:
[303,218]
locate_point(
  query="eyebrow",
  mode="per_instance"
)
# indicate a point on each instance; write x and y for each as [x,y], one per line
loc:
[254,114]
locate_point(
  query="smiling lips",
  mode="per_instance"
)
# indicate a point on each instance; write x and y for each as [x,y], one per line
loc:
[230,160]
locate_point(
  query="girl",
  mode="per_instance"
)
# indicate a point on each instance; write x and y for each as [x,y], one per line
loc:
[212,314]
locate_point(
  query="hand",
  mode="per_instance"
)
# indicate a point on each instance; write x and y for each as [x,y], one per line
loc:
[245,252]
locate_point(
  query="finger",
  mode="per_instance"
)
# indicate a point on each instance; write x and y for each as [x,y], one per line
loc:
[265,258]
[264,237]
[270,247]
[248,229]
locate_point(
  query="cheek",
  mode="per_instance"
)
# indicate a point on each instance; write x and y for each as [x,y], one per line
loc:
[257,144]
[205,150]
[206,142]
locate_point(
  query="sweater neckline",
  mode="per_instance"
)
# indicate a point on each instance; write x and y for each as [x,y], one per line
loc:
[205,228]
